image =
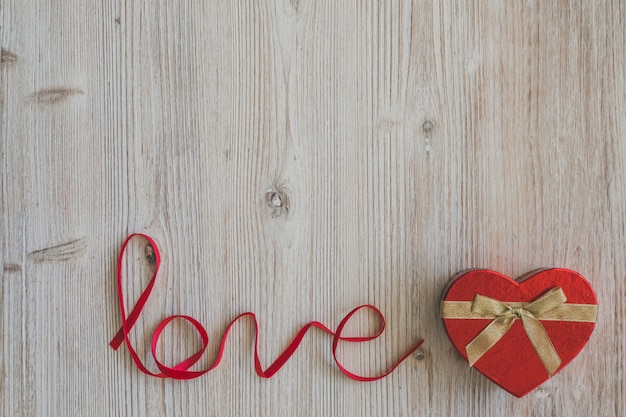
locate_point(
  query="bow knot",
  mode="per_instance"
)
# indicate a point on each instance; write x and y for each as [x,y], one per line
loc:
[517,311]
[505,316]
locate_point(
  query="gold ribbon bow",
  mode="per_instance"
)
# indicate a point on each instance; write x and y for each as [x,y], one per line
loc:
[550,306]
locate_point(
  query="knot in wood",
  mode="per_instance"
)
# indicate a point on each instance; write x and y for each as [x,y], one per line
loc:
[277,199]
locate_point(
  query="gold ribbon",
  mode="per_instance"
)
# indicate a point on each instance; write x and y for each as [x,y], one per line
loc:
[550,306]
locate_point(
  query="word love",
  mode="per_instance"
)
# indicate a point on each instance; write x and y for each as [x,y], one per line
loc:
[182,369]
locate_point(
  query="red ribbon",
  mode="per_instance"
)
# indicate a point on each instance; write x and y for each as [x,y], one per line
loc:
[181,370]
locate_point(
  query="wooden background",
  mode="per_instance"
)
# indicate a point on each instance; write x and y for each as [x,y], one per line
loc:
[296,159]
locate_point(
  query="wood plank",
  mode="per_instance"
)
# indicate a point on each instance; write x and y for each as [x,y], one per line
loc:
[297,159]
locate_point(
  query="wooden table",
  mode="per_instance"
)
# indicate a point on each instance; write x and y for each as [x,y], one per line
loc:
[296,159]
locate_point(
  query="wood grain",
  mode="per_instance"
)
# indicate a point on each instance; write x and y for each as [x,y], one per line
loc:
[298,158]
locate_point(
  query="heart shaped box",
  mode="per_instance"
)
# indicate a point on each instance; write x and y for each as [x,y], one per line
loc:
[513,362]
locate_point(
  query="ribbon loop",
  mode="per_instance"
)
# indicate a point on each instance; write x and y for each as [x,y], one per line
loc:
[552,299]
[488,306]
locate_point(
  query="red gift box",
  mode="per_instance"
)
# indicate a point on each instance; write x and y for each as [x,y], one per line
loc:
[519,333]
